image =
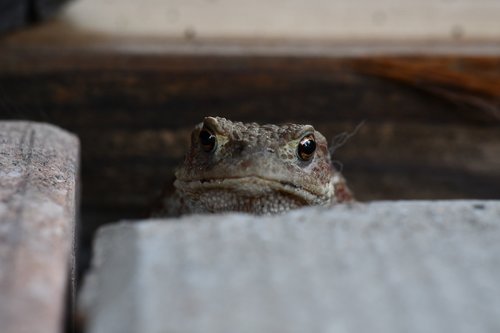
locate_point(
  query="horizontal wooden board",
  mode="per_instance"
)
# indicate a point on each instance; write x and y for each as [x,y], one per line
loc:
[39,182]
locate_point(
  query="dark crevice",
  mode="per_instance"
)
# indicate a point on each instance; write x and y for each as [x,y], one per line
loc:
[32,14]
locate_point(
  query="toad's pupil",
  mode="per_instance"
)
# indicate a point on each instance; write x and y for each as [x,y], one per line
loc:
[207,140]
[306,148]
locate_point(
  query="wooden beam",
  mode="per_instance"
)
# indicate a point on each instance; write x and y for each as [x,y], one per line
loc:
[39,167]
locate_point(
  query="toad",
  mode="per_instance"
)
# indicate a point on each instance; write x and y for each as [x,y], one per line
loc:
[259,169]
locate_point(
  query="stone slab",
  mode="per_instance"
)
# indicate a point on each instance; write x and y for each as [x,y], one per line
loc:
[38,194]
[408,266]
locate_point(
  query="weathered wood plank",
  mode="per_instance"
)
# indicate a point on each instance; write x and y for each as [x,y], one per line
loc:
[380,267]
[38,202]
[474,84]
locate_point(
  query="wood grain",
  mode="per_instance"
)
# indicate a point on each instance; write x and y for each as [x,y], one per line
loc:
[39,182]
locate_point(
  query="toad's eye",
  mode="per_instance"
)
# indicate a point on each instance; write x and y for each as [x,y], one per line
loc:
[306,147]
[208,140]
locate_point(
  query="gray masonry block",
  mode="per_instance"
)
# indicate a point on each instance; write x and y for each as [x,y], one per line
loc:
[379,267]
[38,186]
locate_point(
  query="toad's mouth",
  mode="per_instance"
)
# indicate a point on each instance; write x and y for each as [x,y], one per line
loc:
[249,186]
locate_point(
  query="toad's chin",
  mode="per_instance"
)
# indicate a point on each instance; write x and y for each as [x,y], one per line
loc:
[246,194]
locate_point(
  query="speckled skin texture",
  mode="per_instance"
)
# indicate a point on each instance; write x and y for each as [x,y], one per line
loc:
[256,169]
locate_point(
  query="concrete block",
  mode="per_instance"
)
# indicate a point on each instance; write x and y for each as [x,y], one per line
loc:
[38,187]
[404,266]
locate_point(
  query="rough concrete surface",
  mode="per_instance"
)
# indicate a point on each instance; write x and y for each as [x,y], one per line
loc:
[38,180]
[404,266]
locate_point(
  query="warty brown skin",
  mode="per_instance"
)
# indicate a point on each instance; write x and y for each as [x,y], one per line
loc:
[256,169]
